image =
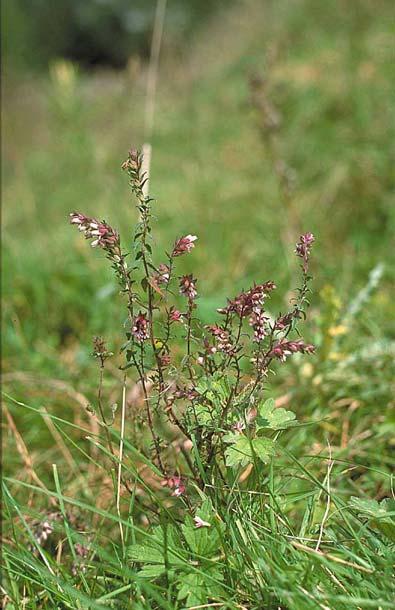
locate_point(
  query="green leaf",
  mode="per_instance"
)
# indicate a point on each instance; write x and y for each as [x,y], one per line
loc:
[152,571]
[193,589]
[146,554]
[274,418]
[205,512]
[264,448]
[366,508]
[242,450]
[191,535]
[203,541]
[216,388]
[198,591]
[154,551]
[379,515]
[203,414]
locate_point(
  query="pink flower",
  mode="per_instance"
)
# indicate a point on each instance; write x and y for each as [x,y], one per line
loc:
[222,337]
[251,300]
[133,162]
[188,286]
[239,426]
[140,328]
[178,491]
[283,348]
[162,276]
[303,248]
[176,484]
[258,321]
[102,234]
[175,315]
[200,523]
[184,244]
[81,551]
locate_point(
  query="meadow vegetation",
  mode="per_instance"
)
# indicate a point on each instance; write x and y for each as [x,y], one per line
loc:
[259,482]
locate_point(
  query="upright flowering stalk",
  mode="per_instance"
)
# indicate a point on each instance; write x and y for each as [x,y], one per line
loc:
[188,289]
[207,389]
[303,249]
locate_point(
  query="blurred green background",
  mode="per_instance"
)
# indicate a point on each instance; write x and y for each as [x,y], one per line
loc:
[74,82]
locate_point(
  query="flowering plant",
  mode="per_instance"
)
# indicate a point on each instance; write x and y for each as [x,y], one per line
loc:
[213,392]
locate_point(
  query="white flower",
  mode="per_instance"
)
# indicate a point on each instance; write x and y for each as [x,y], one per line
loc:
[200,523]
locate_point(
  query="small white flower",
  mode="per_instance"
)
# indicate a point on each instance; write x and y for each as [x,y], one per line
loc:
[200,523]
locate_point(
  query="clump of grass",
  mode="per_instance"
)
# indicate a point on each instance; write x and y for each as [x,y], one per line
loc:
[206,499]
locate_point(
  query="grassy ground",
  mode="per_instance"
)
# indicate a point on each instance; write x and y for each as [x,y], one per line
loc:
[330,76]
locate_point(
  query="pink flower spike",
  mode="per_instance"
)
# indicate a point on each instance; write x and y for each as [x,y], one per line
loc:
[175,315]
[188,286]
[303,248]
[140,328]
[247,302]
[184,244]
[284,348]
[200,523]
[102,234]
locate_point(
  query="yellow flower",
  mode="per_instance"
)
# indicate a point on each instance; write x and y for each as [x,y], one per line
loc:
[336,331]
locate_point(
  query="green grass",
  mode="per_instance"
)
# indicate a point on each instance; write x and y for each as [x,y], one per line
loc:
[64,142]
